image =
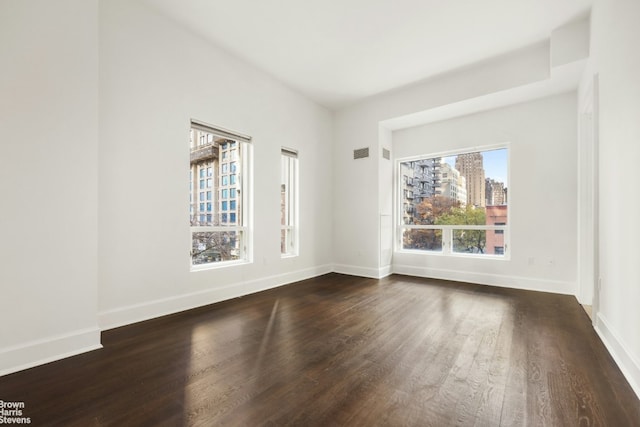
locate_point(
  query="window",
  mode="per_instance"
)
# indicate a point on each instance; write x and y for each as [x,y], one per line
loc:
[219,227]
[289,202]
[454,203]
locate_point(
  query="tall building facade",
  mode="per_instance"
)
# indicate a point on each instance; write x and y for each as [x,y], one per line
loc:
[214,194]
[452,183]
[420,180]
[495,192]
[470,166]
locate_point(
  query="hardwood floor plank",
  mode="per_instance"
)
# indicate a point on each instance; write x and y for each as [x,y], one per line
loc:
[343,351]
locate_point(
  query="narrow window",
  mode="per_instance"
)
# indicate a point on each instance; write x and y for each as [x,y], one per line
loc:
[219,227]
[289,202]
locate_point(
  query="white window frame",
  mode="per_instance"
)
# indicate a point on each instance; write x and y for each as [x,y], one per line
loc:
[245,178]
[447,230]
[290,227]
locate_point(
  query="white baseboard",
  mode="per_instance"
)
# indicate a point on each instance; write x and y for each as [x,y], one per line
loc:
[372,273]
[385,271]
[627,362]
[515,282]
[148,310]
[39,352]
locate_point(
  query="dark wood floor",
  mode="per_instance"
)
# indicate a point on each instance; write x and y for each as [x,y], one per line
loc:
[341,350]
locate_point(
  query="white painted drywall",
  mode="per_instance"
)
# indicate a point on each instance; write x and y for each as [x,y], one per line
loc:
[616,61]
[48,180]
[360,199]
[570,42]
[154,77]
[542,192]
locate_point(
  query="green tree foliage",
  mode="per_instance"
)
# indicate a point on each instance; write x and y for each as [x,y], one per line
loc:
[432,208]
[427,212]
[466,240]
[469,215]
[430,240]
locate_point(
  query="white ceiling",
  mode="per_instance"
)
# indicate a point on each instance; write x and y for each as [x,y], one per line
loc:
[337,52]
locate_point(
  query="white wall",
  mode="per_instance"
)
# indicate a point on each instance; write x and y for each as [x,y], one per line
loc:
[570,42]
[616,61]
[154,77]
[542,193]
[360,198]
[48,180]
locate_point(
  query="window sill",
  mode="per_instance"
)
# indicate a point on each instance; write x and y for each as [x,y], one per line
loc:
[218,265]
[494,257]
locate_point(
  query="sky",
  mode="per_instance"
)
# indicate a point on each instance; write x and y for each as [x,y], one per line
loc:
[495,164]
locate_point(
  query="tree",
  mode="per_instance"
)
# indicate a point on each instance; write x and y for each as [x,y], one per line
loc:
[431,208]
[212,246]
[427,212]
[466,240]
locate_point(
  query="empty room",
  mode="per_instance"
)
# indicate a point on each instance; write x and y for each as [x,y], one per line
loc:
[348,213]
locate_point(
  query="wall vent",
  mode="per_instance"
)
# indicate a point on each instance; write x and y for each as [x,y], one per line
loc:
[386,154]
[361,153]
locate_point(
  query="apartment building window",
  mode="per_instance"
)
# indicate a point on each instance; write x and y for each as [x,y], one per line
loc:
[219,202]
[288,202]
[455,203]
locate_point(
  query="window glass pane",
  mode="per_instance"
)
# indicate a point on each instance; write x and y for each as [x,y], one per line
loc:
[208,195]
[232,217]
[288,197]
[225,194]
[469,241]
[283,241]
[232,205]
[225,180]
[423,240]
[495,239]
[215,246]
[233,179]
[232,192]
[224,206]
[463,189]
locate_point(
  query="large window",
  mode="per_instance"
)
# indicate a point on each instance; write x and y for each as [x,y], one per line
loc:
[218,195]
[288,202]
[455,203]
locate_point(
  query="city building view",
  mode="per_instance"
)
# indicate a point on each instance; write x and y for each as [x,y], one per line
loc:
[467,189]
[215,202]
